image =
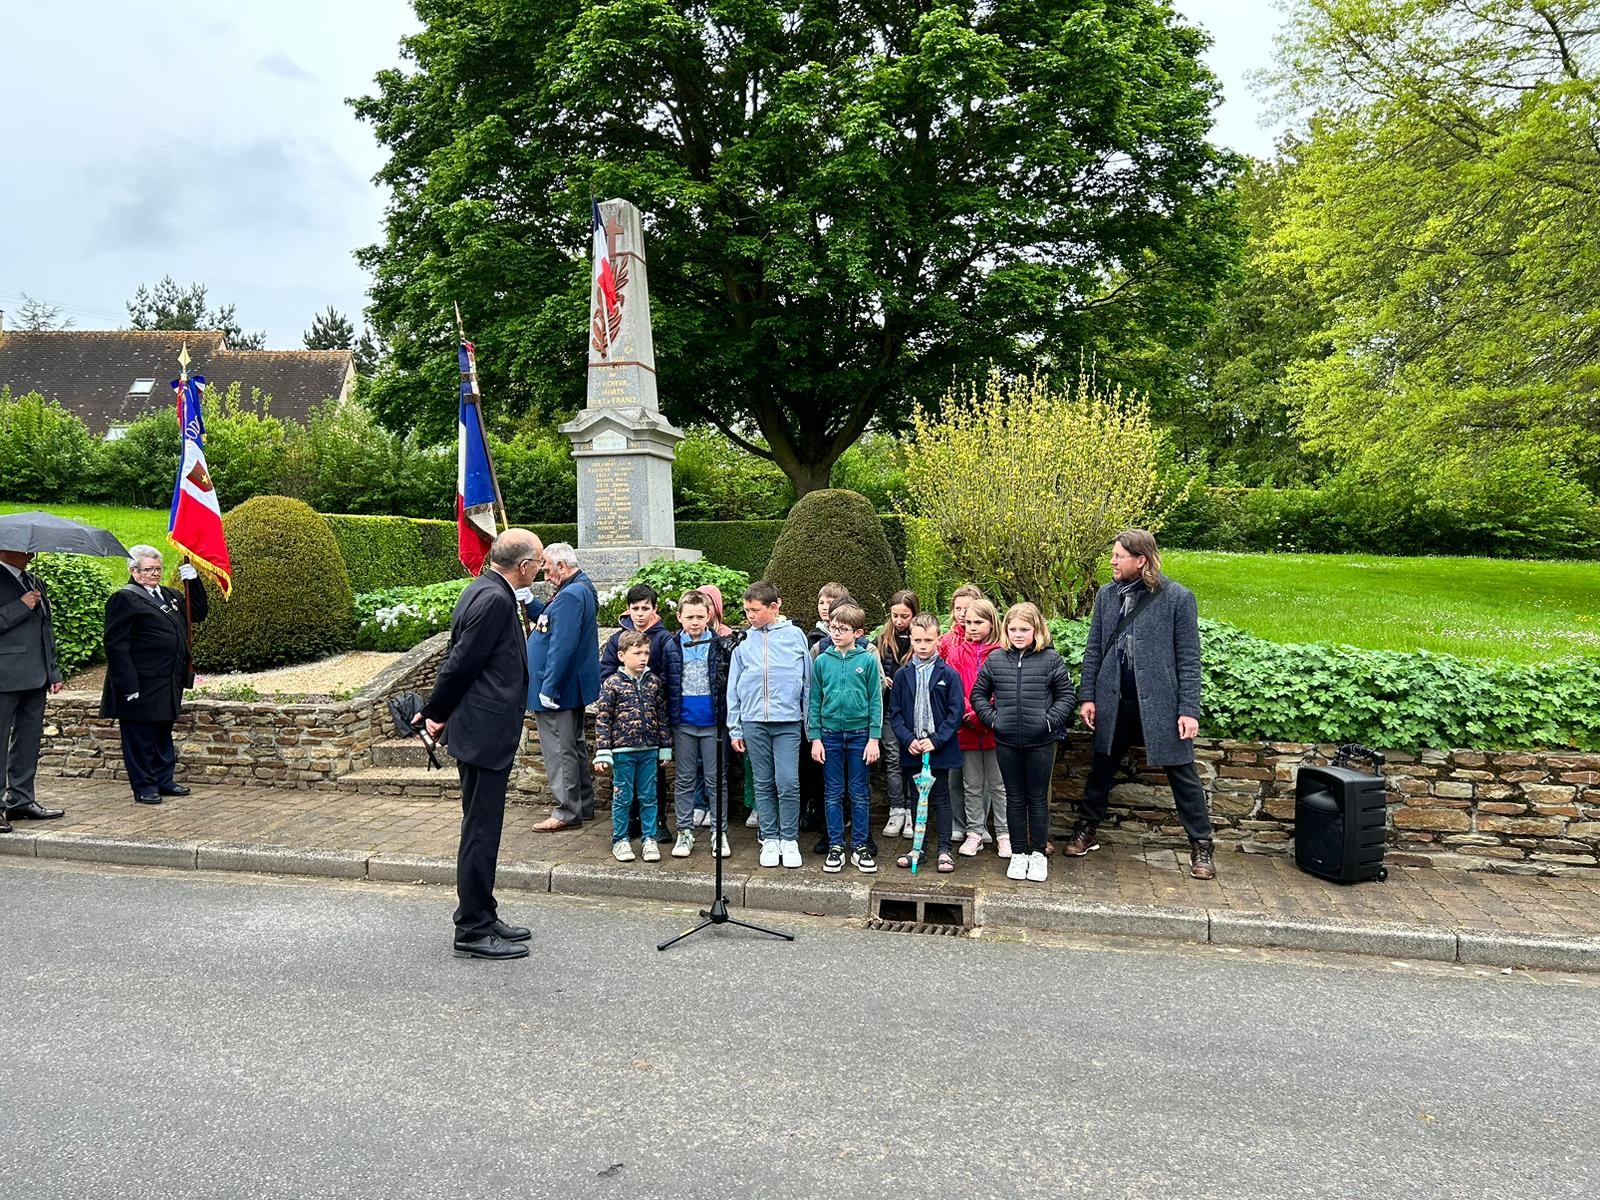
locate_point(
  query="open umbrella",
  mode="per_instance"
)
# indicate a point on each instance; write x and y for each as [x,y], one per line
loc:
[42,533]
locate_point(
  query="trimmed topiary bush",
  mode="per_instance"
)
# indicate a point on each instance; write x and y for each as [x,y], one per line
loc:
[77,588]
[390,552]
[833,536]
[291,593]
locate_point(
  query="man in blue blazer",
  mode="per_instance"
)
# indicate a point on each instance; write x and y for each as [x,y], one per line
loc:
[563,680]
[478,703]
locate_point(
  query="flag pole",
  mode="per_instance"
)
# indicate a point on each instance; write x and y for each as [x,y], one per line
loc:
[494,478]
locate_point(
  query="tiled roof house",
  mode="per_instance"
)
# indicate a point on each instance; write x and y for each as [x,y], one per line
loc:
[110,377]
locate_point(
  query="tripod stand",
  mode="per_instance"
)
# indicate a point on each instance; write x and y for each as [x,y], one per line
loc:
[717,914]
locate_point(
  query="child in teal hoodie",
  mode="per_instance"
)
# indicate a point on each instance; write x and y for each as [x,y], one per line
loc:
[844,723]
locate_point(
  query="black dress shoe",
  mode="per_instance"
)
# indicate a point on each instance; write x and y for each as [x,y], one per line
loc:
[152,798]
[5,825]
[176,789]
[511,933]
[491,945]
[34,811]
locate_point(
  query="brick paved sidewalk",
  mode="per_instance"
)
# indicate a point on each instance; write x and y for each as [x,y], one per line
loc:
[361,827]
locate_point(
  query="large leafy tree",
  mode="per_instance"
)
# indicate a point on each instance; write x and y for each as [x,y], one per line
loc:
[846,206]
[1446,208]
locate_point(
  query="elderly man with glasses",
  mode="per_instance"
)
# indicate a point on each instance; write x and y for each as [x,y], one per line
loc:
[147,668]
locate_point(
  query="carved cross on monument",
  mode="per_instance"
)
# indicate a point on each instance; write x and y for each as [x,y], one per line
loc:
[614,230]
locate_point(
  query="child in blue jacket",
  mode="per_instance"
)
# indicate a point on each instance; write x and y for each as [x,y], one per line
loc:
[925,709]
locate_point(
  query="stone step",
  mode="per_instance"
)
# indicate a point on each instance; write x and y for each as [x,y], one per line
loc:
[402,782]
[406,752]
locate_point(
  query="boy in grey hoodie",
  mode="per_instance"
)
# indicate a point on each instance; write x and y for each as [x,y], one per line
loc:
[769,682]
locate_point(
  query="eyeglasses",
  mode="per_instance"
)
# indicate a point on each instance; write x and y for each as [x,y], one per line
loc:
[156,570]
[833,628]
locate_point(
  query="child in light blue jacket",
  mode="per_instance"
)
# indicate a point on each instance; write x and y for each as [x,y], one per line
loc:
[769,683]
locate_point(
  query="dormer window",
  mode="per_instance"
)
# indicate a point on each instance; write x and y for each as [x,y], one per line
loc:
[141,387]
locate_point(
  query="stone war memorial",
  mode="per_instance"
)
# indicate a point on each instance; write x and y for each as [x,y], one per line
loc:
[622,443]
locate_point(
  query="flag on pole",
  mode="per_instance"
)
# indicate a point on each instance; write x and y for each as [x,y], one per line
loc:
[195,523]
[606,304]
[475,490]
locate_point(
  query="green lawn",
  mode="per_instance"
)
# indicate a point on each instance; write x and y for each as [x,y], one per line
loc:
[1475,607]
[1480,608]
[131,525]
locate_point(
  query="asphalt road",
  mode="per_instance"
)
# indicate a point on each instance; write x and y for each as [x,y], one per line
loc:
[174,1035]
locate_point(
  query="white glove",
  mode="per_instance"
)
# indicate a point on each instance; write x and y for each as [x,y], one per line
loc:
[133,695]
[187,572]
[525,595]
[546,701]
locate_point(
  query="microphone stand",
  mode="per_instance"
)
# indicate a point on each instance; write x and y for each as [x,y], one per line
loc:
[717,914]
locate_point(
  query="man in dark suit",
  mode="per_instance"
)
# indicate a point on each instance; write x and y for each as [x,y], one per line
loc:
[477,702]
[28,668]
[147,668]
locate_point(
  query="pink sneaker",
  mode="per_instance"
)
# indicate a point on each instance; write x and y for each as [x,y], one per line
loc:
[971,846]
[1003,846]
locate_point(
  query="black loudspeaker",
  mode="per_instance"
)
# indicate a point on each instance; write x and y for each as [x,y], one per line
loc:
[1339,829]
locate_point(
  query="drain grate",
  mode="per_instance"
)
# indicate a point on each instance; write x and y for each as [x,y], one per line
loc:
[937,929]
[931,908]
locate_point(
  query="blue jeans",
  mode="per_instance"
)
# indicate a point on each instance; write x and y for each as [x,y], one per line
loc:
[843,769]
[633,774]
[772,750]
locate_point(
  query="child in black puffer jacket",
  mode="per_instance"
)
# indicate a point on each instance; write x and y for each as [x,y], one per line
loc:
[1024,694]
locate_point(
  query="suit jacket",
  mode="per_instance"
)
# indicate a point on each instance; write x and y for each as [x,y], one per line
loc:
[1166,669]
[27,641]
[562,648]
[147,651]
[483,681]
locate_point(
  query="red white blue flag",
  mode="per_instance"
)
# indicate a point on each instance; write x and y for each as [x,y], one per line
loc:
[195,523]
[607,304]
[475,490]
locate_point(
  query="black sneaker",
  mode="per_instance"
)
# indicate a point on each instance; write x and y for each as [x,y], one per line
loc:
[834,863]
[865,860]
[822,845]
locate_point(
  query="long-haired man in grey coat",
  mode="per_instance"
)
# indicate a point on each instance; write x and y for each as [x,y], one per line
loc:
[1141,683]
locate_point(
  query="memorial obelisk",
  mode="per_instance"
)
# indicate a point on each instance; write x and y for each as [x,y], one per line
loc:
[622,443]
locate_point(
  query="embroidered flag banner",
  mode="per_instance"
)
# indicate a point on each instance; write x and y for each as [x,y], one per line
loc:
[195,523]
[475,490]
[606,301]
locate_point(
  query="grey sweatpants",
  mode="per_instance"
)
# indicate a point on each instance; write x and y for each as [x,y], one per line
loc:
[694,753]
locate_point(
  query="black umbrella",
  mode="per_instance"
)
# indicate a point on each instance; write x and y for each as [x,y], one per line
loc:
[42,533]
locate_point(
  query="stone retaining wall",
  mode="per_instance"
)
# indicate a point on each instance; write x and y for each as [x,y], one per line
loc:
[1521,812]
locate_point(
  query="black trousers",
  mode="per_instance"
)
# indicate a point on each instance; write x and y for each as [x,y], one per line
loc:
[149,756]
[21,732]
[1026,772]
[483,814]
[1187,792]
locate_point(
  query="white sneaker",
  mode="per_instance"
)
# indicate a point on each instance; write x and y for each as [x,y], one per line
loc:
[970,846]
[790,852]
[622,850]
[1003,847]
[684,844]
[770,855]
[1038,866]
[896,822]
[1017,868]
[727,850]
[702,818]
[652,851]
[752,821]
[910,831]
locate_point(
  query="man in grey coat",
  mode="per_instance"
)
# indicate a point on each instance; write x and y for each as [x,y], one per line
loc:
[1141,683]
[28,669]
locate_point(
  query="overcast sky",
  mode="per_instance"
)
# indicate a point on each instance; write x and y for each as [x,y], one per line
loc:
[212,143]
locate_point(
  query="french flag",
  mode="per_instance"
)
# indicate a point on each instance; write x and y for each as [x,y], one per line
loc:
[195,521]
[475,492]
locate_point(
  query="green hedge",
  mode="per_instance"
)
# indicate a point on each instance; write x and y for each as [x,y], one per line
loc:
[743,545]
[385,552]
[78,590]
[1275,691]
